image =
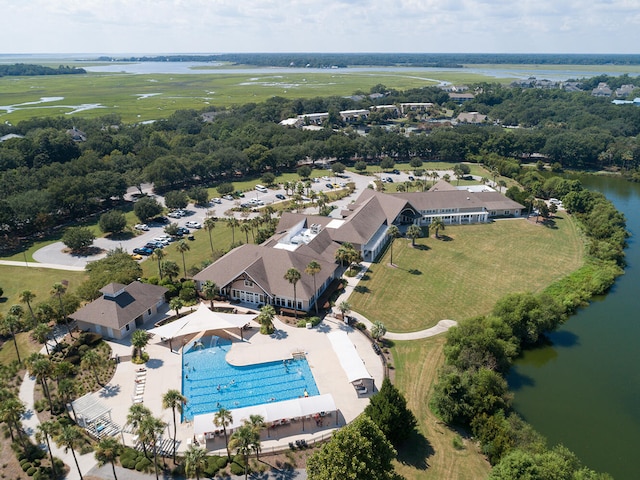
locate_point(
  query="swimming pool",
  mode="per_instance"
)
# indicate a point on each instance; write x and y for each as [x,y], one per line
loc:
[210,383]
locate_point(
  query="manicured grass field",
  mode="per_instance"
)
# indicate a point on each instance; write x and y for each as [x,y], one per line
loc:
[464,274]
[417,364]
[26,346]
[39,280]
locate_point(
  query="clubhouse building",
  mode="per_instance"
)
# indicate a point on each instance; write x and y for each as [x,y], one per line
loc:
[254,274]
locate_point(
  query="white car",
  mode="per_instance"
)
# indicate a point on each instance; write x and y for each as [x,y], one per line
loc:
[216,200]
[193,224]
[174,215]
[142,226]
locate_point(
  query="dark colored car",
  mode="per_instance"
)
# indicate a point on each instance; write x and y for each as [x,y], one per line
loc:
[395,172]
[280,196]
[183,230]
[389,179]
[191,237]
[143,251]
[411,178]
[328,185]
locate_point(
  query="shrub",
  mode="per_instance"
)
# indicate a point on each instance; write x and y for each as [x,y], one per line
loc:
[188,294]
[31,471]
[457,443]
[237,465]
[26,465]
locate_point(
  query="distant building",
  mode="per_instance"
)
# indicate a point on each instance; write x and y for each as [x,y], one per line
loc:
[471,117]
[461,97]
[602,90]
[77,135]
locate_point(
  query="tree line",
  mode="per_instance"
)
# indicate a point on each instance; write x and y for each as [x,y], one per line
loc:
[26,69]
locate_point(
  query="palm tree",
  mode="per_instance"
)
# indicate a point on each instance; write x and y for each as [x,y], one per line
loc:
[413,232]
[232,223]
[342,253]
[46,430]
[209,290]
[139,340]
[92,360]
[11,412]
[266,319]
[67,390]
[437,224]
[183,247]
[70,437]
[137,412]
[176,304]
[25,297]
[435,176]
[312,269]
[108,450]
[245,227]
[292,276]
[40,367]
[223,418]
[174,400]
[195,459]
[378,330]
[458,173]
[241,441]
[58,290]
[257,424]
[149,430]
[394,233]
[345,308]
[209,225]
[41,334]
[170,269]
[11,325]
[158,254]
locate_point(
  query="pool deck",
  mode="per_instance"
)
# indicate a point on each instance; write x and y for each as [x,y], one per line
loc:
[164,372]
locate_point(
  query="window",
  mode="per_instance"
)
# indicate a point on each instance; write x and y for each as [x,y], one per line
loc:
[127,327]
[248,283]
[149,312]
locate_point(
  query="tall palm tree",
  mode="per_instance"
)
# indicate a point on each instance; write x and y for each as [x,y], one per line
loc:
[345,308]
[92,360]
[378,330]
[209,290]
[312,269]
[170,269]
[11,325]
[108,450]
[209,225]
[67,390]
[158,254]
[257,424]
[292,276]
[245,227]
[11,412]
[223,418]
[45,432]
[148,432]
[458,173]
[413,232]
[70,437]
[41,334]
[232,223]
[242,441]
[183,247]
[195,460]
[41,367]
[139,340]
[58,289]
[176,304]
[137,412]
[26,296]
[437,224]
[342,253]
[174,400]
[394,233]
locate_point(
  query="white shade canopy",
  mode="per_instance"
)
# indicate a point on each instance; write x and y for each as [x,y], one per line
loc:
[349,359]
[270,412]
[201,320]
[89,409]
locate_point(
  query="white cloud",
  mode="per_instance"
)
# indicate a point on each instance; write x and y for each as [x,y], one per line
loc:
[319,25]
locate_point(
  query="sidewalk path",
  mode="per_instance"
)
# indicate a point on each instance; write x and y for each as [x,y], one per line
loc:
[73,268]
[441,327]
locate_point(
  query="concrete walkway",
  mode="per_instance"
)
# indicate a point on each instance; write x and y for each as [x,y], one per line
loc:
[441,327]
[56,266]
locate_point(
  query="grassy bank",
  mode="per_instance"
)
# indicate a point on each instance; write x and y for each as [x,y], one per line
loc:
[464,274]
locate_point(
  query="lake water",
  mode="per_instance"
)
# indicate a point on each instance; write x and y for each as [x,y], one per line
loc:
[584,389]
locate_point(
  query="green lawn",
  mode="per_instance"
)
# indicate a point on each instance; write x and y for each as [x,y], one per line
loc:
[26,346]
[465,274]
[39,280]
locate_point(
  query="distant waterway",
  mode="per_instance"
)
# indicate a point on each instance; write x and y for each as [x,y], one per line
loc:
[583,390]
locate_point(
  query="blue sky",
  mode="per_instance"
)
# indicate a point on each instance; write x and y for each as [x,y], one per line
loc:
[173,26]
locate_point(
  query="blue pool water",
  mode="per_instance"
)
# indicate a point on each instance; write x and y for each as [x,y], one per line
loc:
[210,383]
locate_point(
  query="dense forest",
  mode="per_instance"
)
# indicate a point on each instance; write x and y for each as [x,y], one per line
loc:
[47,178]
[25,69]
[450,60]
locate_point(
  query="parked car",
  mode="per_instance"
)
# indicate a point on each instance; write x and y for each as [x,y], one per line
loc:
[183,230]
[143,251]
[136,256]
[316,180]
[191,237]
[162,220]
[389,180]
[216,200]
[239,194]
[192,224]
[395,172]
[174,214]
[153,245]
[228,197]
[328,185]
[411,178]
[280,196]
[142,226]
